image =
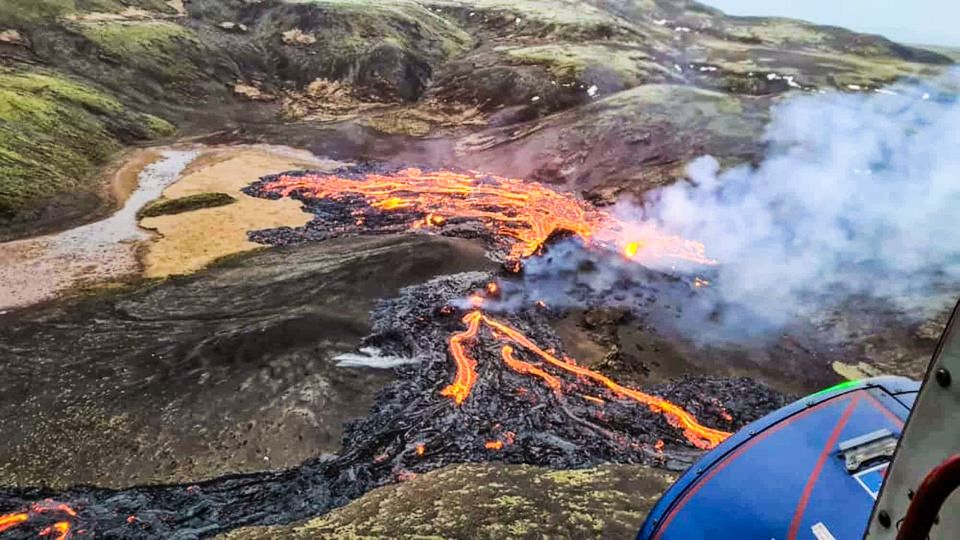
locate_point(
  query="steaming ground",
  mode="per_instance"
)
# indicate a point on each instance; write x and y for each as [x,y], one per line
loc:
[856,198]
[853,209]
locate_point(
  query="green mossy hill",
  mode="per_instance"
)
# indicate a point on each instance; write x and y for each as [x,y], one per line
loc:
[550,55]
[452,65]
[166,50]
[24,13]
[492,501]
[627,142]
[165,207]
[386,51]
[543,20]
[54,134]
[366,25]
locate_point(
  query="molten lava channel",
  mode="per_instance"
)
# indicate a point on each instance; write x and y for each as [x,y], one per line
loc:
[59,530]
[522,214]
[698,435]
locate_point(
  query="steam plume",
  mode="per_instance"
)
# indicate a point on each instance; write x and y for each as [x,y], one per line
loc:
[858,195]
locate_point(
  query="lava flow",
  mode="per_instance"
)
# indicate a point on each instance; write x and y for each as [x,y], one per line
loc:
[697,434]
[522,214]
[59,530]
[410,429]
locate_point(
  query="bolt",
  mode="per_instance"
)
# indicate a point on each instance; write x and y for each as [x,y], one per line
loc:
[943,377]
[884,518]
[910,494]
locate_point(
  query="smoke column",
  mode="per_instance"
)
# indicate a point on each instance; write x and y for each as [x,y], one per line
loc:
[858,198]
[859,195]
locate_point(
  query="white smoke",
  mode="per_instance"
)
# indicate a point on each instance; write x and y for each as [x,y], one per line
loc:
[373,357]
[859,195]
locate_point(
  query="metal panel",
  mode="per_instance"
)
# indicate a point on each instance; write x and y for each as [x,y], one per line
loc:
[931,435]
[783,476]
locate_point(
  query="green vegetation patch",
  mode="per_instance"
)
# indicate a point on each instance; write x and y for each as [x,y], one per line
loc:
[21,13]
[115,6]
[360,25]
[166,207]
[163,48]
[547,19]
[776,32]
[158,127]
[570,61]
[561,12]
[55,132]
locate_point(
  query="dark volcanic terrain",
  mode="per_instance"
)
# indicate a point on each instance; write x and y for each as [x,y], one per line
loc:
[231,371]
[251,398]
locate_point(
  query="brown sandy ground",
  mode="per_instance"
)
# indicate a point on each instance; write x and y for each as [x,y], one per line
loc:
[189,241]
[39,268]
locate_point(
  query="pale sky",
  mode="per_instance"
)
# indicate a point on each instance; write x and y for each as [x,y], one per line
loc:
[932,22]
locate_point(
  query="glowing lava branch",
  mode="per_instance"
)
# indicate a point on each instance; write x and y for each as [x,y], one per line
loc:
[698,435]
[59,530]
[523,214]
[9,521]
[529,369]
[460,388]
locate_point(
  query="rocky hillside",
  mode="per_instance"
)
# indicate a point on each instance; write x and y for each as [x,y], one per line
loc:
[601,96]
[491,501]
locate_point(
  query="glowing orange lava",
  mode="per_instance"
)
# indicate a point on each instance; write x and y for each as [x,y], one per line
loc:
[9,521]
[522,213]
[594,399]
[60,529]
[698,435]
[493,445]
[459,389]
[529,369]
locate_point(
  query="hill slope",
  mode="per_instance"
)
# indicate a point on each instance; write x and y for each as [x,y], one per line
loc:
[80,79]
